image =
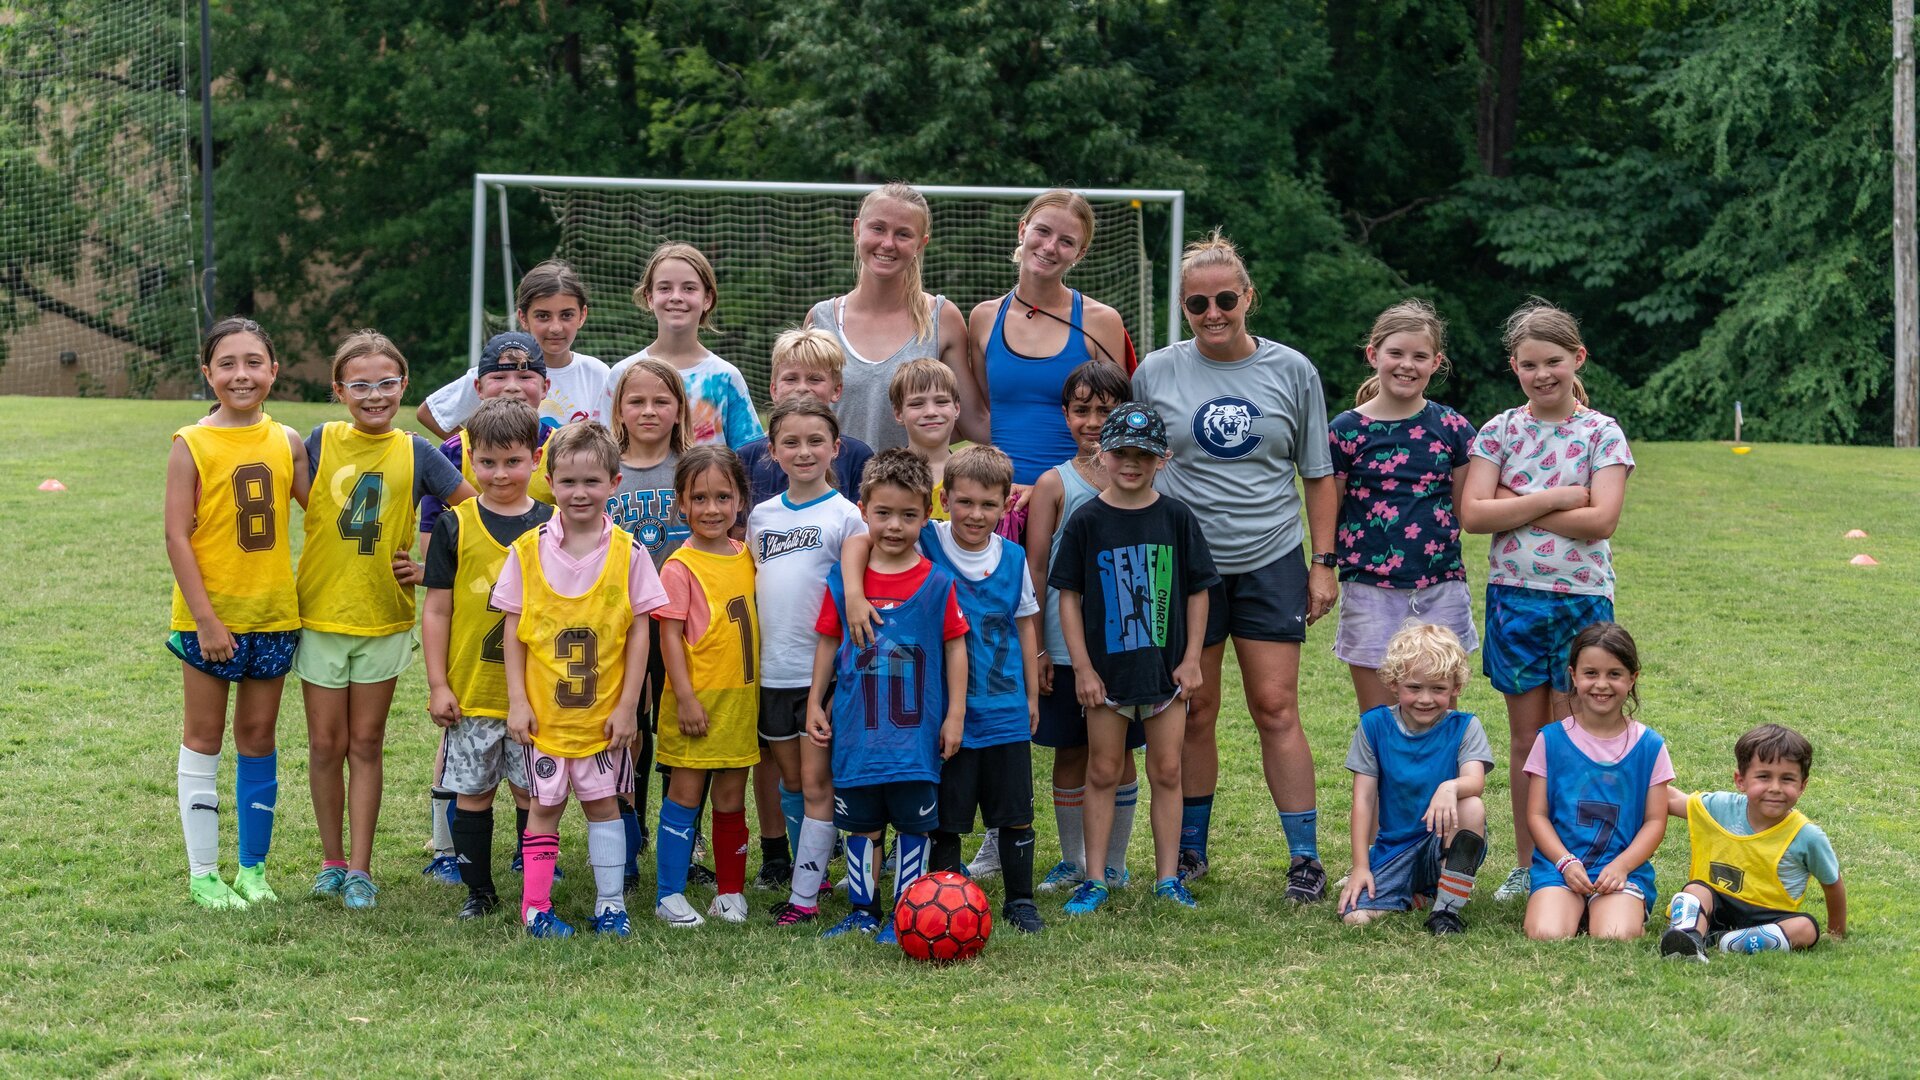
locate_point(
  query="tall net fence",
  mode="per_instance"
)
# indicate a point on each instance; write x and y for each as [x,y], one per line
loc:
[97,289]
[777,255]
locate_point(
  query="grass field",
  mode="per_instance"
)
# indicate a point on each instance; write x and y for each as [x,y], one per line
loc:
[1735,581]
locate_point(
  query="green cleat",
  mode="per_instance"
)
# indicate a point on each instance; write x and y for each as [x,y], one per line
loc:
[213,894]
[251,884]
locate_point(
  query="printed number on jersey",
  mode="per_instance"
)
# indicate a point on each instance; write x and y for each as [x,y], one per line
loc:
[359,519]
[580,648]
[253,498]
[901,675]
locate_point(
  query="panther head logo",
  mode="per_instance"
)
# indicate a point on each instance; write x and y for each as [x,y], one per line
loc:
[1224,427]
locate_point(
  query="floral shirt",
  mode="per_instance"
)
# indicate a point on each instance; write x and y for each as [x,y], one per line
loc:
[1535,456]
[1397,524]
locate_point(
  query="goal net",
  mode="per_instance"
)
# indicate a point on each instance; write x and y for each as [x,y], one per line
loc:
[778,249]
[97,288]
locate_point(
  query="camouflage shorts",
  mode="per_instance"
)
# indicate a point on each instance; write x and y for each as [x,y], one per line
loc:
[476,754]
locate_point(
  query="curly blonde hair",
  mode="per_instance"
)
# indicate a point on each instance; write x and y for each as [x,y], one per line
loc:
[1425,649]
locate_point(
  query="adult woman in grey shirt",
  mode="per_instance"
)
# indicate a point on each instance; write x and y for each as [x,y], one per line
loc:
[888,319]
[1244,417]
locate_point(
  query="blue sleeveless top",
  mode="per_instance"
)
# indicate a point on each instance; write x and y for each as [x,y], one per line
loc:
[1074,490]
[1024,394]
[996,671]
[1596,809]
[890,698]
[1412,768]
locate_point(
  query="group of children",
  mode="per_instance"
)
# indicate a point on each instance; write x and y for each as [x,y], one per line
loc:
[691,595]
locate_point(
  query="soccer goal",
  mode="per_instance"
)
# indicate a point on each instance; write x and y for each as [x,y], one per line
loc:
[778,248]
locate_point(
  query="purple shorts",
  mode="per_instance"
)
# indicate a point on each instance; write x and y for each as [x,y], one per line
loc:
[1370,616]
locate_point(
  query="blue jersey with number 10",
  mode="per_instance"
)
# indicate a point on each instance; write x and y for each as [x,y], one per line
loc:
[996,671]
[889,698]
[1596,809]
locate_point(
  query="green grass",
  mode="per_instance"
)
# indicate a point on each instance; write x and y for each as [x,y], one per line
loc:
[1735,581]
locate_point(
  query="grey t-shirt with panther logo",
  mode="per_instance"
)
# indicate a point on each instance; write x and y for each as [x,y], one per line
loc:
[1239,433]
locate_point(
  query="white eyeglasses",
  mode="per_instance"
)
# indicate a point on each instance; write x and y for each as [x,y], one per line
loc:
[360,391]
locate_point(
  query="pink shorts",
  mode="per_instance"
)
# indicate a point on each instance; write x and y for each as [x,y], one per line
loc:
[598,776]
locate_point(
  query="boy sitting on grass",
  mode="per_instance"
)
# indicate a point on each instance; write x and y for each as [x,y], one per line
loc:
[1753,854]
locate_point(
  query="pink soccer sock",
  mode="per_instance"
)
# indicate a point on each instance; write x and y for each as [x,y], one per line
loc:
[539,852]
[729,851]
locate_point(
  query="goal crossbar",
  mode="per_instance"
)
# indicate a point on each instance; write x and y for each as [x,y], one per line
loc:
[1174,199]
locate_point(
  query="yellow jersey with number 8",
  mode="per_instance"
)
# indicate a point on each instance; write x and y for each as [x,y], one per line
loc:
[721,666]
[359,514]
[240,526]
[576,648]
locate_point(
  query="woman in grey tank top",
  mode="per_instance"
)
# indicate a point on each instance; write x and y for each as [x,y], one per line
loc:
[887,304]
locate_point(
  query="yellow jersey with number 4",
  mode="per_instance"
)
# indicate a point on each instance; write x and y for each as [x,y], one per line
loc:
[359,514]
[245,480]
[722,666]
[576,648]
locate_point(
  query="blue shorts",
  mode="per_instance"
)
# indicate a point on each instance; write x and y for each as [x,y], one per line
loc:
[1414,872]
[1529,632]
[265,654]
[1542,876]
[910,806]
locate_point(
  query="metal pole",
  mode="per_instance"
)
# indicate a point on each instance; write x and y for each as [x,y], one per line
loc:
[477,277]
[506,261]
[206,159]
[1178,229]
[1906,290]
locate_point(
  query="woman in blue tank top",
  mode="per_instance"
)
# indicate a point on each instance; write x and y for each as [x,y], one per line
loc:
[1020,363]
[888,319]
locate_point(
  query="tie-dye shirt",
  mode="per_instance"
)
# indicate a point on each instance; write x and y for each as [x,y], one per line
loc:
[1535,456]
[1398,529]
[717,397]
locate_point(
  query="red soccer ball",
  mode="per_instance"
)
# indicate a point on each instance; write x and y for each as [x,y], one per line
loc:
[942,917]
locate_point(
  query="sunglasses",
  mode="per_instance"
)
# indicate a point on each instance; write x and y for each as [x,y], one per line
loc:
[361,391]
[1226,301]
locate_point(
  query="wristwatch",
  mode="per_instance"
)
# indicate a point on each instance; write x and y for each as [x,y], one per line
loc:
[1324,558]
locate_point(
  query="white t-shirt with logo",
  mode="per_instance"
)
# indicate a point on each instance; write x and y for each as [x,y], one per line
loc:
[793,548]
[979,565]
[574,392]
[1535,455]
[1239,433]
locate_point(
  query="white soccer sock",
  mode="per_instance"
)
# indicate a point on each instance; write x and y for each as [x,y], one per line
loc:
[1126,799]
[810,861]
[200,810]
[607,853]
[1068,804]
[442,829]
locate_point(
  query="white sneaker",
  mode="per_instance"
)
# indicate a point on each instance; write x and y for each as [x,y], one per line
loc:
[729,906]
[986,862]
[1518,884]
[677,913]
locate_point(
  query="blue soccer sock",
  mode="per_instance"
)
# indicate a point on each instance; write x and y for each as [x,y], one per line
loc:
[256,791]
[630,823]
[793,807]
[673,848]
[862,879]
[1303,833]
[913,850]
[1196,814]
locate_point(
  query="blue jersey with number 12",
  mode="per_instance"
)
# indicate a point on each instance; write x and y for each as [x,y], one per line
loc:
[996,672]
[1596,809]
[889,698]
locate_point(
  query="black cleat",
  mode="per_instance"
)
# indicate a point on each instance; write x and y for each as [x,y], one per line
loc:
[1684,945]
[699,875]
[1306,881]
[776,875]
[479,905]
[1441,923]
[1024,915]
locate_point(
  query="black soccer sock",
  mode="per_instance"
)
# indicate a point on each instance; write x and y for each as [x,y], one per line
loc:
[519,831]
[473,844]
[642,766]
[1016,862]
[774,849]
[946,852]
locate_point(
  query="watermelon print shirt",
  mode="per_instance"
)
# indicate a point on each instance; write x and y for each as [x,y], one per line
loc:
[1534,456]
[1397,523]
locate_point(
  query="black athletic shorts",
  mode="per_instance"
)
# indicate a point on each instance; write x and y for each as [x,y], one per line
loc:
[1267,603]
[996,779]
[1729,914]
[1063,723]
[783,713]
[910,806]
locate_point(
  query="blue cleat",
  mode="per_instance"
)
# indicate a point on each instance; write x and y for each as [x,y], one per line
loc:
[887,935]
[357,894]
[1118,879]
[329,881]
[1173,889]
[1087,898]
[858,921]
[544,924]
[1064,875]
[443,870]
[614,922]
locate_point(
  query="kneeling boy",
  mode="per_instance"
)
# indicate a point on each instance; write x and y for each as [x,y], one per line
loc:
[1753,854]
[1418,767]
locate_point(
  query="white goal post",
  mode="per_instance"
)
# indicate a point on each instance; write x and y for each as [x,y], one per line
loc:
[779,247]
